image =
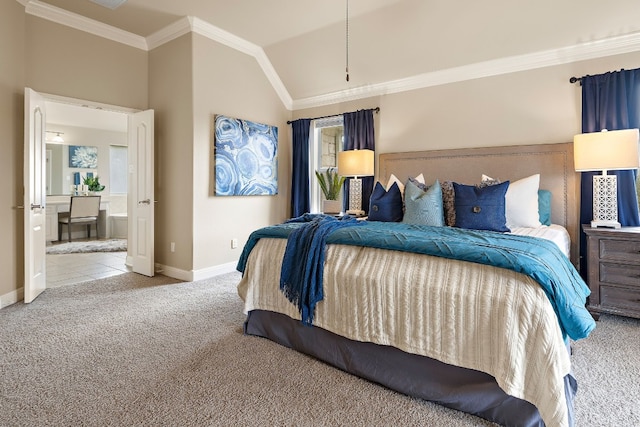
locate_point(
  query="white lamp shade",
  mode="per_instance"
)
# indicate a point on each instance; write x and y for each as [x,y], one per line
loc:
[356,163]
[606,150]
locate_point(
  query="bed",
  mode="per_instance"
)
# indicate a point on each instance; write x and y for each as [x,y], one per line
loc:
[481,338]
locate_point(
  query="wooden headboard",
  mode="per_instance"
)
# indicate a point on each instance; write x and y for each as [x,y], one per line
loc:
[554,163]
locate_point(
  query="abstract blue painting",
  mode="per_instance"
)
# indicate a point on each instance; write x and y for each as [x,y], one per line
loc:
[81,156]
[246,157]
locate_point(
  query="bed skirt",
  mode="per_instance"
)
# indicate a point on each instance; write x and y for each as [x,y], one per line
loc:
[418,376]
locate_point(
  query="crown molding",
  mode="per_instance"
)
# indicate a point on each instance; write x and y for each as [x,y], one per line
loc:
[73,20]
[170,32]
[583,51]
[205,29]
[219,35]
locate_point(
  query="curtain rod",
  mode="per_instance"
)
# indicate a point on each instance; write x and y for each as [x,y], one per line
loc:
[579,79]
[377,109]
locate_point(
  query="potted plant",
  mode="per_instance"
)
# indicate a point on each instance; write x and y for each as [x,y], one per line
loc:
[331,184]
[93,184]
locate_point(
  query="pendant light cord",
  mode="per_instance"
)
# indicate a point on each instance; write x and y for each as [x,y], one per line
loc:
[347,37]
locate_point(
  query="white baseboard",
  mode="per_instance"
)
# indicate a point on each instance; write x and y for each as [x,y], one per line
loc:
[215,271]
[11,298]
[193,275]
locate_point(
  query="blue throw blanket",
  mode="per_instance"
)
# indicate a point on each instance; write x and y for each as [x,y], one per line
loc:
[538,258]
[303,262]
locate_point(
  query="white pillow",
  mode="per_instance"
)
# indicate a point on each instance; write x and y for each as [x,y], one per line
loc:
[393,178]
[521,202]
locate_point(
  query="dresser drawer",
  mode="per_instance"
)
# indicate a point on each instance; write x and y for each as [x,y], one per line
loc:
[620,299]
[620,250]
[620,274]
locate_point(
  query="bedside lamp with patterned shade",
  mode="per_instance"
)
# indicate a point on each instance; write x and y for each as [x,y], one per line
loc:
[606,150]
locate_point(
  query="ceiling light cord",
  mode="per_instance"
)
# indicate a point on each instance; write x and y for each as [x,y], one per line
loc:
[347,41]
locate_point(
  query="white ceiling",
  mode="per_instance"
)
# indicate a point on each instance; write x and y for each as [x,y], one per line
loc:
[392,43]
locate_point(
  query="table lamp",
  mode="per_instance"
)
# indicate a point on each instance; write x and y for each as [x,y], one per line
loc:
[355,163]
[606,150]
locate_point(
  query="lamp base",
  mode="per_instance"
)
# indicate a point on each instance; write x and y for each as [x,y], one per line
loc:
[355,195]
[605,223]
[355,212]
[605,201]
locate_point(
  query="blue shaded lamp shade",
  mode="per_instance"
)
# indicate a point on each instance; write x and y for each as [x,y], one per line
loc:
[76,178]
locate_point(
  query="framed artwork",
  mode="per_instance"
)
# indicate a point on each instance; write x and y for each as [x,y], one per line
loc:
[246,157]
[82,156]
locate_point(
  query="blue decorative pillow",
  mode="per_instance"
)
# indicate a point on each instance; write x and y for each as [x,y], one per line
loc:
[544,206]
[423,205]
[385,205]
[481,208]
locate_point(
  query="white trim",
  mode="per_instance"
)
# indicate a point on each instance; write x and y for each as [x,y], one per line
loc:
[209,272]
[79,22]
[589,50]
[12,297]
[214,33]
[170,32]
[193,275]
[176,273]
[584,51]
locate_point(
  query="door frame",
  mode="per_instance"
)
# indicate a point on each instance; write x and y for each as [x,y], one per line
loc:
[90,104]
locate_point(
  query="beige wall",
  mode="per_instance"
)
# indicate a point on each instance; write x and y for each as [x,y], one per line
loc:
[12,27]
[231,83]
[171,97]
[532,107]
[72,63]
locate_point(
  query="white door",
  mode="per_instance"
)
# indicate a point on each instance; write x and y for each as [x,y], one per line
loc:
[35,280]
[141,192]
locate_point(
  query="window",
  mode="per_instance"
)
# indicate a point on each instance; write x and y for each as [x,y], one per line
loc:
[118,169]
[327,142]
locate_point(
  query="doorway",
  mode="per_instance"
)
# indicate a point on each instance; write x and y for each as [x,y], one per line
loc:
[105,132]
[140,189]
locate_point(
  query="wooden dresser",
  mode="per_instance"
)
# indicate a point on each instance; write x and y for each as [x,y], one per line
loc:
[613,262]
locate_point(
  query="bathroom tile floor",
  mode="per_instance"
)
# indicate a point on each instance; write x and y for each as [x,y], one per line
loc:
[68,269]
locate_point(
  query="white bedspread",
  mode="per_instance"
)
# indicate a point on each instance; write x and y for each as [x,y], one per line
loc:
[465,314]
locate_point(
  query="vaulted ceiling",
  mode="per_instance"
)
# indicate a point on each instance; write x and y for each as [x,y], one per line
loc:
[394,45]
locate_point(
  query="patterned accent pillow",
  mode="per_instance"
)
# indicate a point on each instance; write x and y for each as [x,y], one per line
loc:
[449,203]
[385,205]
[393,178]
[487,181]
[481,208]
[422,204]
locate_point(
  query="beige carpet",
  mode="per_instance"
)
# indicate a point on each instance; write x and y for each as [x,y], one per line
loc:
[136,351]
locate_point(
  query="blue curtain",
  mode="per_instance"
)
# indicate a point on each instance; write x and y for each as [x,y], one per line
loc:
[300,197]
[359,135]
[610,101]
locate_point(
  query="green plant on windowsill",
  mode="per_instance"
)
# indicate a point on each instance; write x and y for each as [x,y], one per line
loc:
[330,183]
[93,183]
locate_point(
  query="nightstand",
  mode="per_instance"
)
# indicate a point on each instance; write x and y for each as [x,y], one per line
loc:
[613,266]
